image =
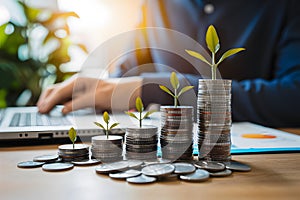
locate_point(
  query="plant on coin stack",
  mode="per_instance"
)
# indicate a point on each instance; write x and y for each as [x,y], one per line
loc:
[140,108]
[175,84]
[73,136]
[213,44]
[106,127]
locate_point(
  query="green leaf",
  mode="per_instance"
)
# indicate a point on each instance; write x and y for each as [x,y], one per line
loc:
[185,89]
[113,125]
[197,55]
[149,113]
[174,80]
[3,35]
[106,117]
[164,88]
[230,53]
[100,125]
[132,115]
[139,104]
[72,135]
[212,39]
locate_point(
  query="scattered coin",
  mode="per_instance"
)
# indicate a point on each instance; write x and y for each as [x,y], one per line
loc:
[210,165]
[226,172]
[53,167]
[141,179]
[86,162]
[183,168]
[106,168]
[46,158]
[158,170]
[237,166]
[30,164]
[126,174]
[134,163]
[197,176]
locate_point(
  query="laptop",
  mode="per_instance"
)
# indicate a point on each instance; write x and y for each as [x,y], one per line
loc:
[26,126]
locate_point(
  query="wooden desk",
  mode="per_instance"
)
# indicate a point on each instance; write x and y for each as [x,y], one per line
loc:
[273,176]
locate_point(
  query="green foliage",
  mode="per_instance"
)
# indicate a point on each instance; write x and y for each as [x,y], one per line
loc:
[73,136]
[106,128]
[213,44]
[26,61]
[175,84]
[140,108]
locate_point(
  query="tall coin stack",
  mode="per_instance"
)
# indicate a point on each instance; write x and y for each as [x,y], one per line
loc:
[141,143]
[214,119]
[107,149]
[78,153]
[176,137]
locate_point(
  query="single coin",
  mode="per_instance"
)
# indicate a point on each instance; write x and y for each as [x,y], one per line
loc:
[237,166]
[197,176]
[30,164]
[183,168]
[107,168]
[158,169]
[210,166]
[126,174]
[46,158]
[53,167]
[134,163]
[224,173]
[86,162]
[141,179]
[70,147]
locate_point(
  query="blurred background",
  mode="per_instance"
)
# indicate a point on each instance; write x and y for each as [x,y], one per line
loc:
[45,42]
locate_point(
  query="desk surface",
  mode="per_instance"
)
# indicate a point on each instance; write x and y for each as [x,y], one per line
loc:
[273,176]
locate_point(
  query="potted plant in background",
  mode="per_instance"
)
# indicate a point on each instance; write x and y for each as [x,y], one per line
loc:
[107,148]
[176,137]
[141,141]
[214,105]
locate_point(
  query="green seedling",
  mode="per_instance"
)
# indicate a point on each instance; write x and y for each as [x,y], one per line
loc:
[140,108]
[73,136]
[213,44]
[106,127]
[175,85]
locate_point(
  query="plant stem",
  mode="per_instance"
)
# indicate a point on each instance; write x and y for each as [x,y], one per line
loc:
[140,119]
[106,131]
[175,98]
[213,67]
[73,145]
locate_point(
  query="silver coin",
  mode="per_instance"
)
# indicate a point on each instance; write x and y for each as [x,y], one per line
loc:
[107,168]
[183,168]
[70,147]
[52,167]
[45,158]
[126,174]
[134,163]
[237,166]
[158,170]
[226,172]
[30,164]
[141,179]
[197,176]
[210,166]
[86,162]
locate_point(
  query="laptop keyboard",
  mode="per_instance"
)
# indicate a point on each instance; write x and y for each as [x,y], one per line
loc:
[36,119]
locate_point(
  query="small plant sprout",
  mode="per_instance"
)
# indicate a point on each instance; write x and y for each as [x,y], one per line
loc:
[140,108]
[175,84]
[213,44]
[73,136]
[106,128]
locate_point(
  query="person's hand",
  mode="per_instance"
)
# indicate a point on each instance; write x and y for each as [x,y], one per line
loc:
[77,93]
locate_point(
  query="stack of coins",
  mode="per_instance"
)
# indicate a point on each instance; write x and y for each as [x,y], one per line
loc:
[141,143]
[214,119]
[176,137]
[78,153]
[107,149]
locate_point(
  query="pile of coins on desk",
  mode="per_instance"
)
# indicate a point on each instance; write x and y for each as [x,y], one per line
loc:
[176,137]
[107,149]
[141,143]
[78,152]
[214,119]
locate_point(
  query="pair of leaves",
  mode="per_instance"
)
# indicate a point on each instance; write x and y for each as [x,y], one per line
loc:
[106,119]
[73,135]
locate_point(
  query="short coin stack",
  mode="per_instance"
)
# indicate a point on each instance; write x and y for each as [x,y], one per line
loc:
[176,137]
[214,119]
[141,143]
[107,149]
[78,153]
